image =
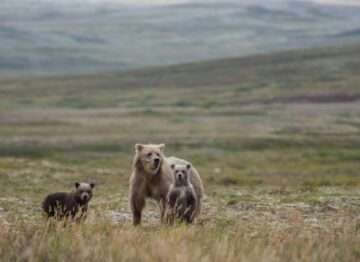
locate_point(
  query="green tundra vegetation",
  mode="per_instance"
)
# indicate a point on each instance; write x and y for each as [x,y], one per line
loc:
[276,139]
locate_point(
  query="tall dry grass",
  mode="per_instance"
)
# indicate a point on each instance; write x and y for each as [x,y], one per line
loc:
[208,240]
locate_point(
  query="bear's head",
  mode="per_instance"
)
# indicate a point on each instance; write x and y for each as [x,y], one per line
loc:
[149,158]
[83,192]
[181,174]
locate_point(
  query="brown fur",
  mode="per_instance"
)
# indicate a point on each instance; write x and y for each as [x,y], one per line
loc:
[181,198]
[149,180]
[72,204]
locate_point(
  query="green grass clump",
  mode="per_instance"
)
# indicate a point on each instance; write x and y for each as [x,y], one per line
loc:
[240,180]
[333,181]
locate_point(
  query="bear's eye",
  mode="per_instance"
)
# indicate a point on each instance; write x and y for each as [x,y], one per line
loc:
[149,154]
[157,154]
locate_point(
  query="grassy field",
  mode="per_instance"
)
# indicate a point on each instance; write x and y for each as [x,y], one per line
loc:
[276,139]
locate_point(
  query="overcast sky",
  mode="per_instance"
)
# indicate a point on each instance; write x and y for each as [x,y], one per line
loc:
[167,2]
[349,2]
[151,2]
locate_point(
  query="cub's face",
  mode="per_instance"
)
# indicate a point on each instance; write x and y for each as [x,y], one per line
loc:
[149,157]
[181,174]
[83,192]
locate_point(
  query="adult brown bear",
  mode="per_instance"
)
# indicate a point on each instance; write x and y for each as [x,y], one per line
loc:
[152,176]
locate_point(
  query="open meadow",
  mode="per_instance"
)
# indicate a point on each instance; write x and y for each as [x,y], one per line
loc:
[275,138]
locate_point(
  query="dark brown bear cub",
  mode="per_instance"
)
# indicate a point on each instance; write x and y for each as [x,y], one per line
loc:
[181,198]
[72,204]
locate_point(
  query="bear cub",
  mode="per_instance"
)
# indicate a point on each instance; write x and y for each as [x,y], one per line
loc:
[181,198]
[72,204]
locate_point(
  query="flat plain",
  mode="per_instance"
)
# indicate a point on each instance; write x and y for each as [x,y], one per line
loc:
[275,138]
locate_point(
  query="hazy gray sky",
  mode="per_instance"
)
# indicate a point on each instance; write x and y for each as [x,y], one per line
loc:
[167,2]
[150,2]
[139,2]
[130,2]
[349,2]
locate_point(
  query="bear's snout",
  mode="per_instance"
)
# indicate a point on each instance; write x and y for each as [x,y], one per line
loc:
[157,161]
[180,176]
[85,197]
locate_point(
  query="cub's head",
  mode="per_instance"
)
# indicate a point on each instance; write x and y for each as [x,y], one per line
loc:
[149,157]
[181,174]
[83,192]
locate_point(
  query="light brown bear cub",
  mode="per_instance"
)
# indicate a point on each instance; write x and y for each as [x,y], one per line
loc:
[72,204]
[181,199]
[152,176]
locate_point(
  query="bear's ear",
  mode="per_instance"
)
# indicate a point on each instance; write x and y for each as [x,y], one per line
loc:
[188,166]
[77,184]
[139,147]
[92,185]
[172,166]
[161,147]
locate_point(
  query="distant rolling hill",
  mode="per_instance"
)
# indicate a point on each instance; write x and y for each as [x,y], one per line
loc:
[40,37]
[321,75]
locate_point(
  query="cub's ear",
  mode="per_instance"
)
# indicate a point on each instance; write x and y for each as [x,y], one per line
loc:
[139,147]
[172,166]
[77,184]
[92,185]
[188,166]
[161,147]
